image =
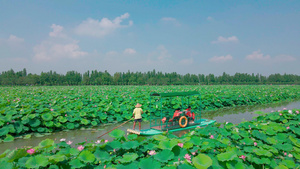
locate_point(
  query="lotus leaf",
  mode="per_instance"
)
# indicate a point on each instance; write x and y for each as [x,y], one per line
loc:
[272,140]
[22,161]
[128,157]
[295,141]
[195,140]
[185,166]
[270,132]
[130,145]
[159,137]
[4,131]
[34,122]
[227,156]
[57,158]
[113,145]
[164,156]
[202,161]
[46,143]
[262,152]
[102,155]
[274,117]
[70,125]
[117,133]
[128,166]
[76,163]
[165,144]
[47,116]
[63,119]
[261,160]
[86,156]
[280,137]
[289,163]
[149,163]
[281,167]
[18,126]
[16,154]
[49,123]
[6,165]
[284,147]
[259,135]
[131,136]
[94,123]
[37,161]
[85,121]
[8,138]
[53,167]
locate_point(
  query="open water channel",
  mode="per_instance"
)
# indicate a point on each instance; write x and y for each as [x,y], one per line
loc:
[233,115]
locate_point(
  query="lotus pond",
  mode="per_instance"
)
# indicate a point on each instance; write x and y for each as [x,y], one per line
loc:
[234,115]
[271,140]
[26,110]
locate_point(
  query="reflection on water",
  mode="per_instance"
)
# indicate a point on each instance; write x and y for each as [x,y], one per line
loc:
[233,115]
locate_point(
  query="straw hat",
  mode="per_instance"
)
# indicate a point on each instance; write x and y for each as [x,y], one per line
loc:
[138,105]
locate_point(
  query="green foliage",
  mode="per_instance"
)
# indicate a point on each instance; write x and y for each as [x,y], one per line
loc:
[231,150]
[33,109]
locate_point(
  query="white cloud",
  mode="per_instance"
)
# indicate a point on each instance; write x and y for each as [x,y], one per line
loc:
[163,53]
[221,58]
[129,51]
[14,39]
[257,55]
[170,20]
[187,61]
[284,58]
[56,48]
[111,53]
[210,18]
[57,31]
[222,39]
[92,27]
[49,51]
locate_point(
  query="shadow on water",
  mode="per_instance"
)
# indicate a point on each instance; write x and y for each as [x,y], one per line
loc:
[233,115]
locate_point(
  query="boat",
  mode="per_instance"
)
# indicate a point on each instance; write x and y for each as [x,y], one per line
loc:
[163,118]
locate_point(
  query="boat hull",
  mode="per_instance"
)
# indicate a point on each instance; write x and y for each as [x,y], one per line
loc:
[151,131]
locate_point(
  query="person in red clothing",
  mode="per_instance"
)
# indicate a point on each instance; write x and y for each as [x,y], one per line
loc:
[176,114]
[189,113]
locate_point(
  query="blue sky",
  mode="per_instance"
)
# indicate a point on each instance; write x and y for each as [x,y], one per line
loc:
[169,36]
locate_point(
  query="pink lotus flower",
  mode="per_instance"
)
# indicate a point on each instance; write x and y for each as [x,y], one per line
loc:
[297,111]
[31,151]
[66,115]
[98,141]
[287,127]
[63,139]
[69,142]
[105,141]
[188,157]
[80,148]
[104,166]
[211,137]
[180,145]
[214,150]
[285,154]
[152,152]
[242,157]
[255,144]
[51,109]
[280,114]
[284,108]
[194,153]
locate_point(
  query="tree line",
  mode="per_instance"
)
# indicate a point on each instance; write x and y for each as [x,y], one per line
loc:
[95,77]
